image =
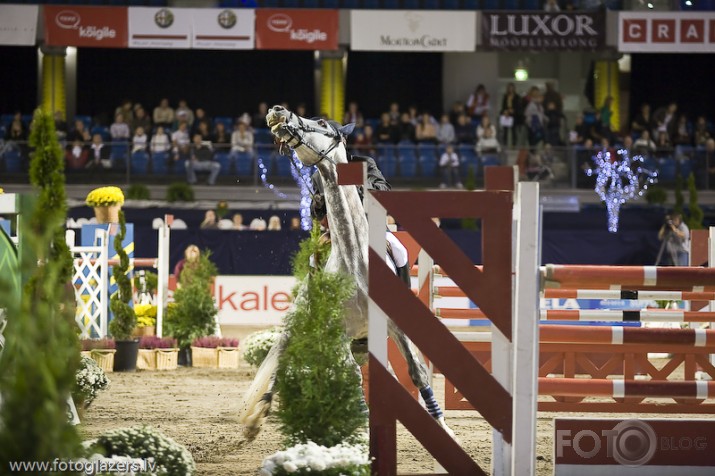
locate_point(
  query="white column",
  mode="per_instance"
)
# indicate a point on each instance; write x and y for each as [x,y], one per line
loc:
[163,276]
[102,240]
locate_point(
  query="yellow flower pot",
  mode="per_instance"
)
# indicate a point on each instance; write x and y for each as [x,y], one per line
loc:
[107,214]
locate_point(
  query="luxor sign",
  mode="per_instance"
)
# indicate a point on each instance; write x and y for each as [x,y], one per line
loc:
[519,31]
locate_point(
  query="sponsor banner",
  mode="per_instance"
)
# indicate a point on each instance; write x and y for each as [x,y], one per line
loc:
[584,446]
[253,300]
[223,29]
[160,27]
[18,24]
[414,31]
[666,32]
[299,29]
[69,25]
[543,31]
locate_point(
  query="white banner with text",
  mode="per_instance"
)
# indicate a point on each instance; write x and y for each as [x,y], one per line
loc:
[413,31]
[253,300]
[18,24]
[160,27]
[223,29]
[666,32]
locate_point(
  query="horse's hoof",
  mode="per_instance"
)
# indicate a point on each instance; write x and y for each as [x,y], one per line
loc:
[251,432]
[446,428]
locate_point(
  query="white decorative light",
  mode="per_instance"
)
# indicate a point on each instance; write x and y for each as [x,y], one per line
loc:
[619,179]
[301,174]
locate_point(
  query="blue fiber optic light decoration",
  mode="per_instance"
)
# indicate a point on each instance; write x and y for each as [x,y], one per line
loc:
[263,173]
[301,174]
[619,179]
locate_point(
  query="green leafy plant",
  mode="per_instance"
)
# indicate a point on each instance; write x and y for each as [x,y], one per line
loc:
[90,379]
[41,355]
[679,200]
[656,196]
[696,215]
[257,345]
[151,281]
[179,192]
[138,191]
[193,313]
[321,396]
[170,457]
[125,320]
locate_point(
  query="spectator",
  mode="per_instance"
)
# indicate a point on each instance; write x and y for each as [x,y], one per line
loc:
[486,125]
[386,132]
[181,143]
[457,110]
[643,121]
[708,158]
[79,133]
[551,6]
[259,118]
[554,119]
[407,130]
[139,141]
[537,170]
[119,130]
[274,223]
[160,142]
[364,143]
[488,143]
[683,135]
[257,224]
[628,144]
[238,222]
[644,145]
[295,224]
[478,102]
[445,131]
[605,114]
[701,133]
[185,112]
[394,113]
[449,164]
[16,135]
[126,109]
[141,119]
[241,140]
[535,118]
[191,259]
[414,117]
[510,116]
[663,145]
[210,221]
[202,159]
[204,131]
[60,126]
[354,116]
[463,131]
[76,156]
[163,114]
[200,118]
[579,133]
[675,236]
[99,153]
[220,138]
[552,95]
[426,130]
[664,119]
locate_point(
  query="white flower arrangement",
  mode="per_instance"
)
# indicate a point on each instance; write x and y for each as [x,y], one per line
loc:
[311,458]
[91,379]
[169,456]
[257,345]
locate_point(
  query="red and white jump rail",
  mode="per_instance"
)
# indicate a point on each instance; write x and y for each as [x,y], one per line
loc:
[647,295]
[622,388]
[631,277]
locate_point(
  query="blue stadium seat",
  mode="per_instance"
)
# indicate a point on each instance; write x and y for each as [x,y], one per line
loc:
[225,161]
[428,166]
[350,4]
[432,4]
[510,5]
[408,166]
[6,119]
[159,163]
[387,165]
[13,161]
[244,163]
[140,163]
[426,150]
[472,5]
[450,4]
[686,168]
[491,4]
[331,4]
[406,148]
[468,158]
[490,159]
[666,169]
[119,154]
[411,4]
[385,151]
[226,121]
[102,131]
[282,166]
[178,167]
[532,4]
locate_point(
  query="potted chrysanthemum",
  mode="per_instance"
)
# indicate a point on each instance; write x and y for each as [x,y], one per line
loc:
[106,201]
[91,379]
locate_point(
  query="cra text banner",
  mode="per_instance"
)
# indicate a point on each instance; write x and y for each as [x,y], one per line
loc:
[413,31]
[222,29]
[18,24]
[160,27]
[543,31]
[666,32]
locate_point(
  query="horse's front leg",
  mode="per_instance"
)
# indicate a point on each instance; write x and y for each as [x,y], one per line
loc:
[418,374]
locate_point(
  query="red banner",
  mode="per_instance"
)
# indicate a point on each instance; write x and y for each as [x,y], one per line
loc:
[301,29]
[69,25]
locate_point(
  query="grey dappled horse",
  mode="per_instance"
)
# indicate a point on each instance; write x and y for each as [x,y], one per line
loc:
[322,144]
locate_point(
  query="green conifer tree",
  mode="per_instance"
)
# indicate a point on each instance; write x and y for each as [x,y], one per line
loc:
[124,319]
[696,215]
[38,364]
[679,200]
[318,385]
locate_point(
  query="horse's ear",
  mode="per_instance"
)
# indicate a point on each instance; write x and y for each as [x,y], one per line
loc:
[347,129]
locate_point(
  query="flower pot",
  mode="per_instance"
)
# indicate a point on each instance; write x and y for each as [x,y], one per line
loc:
[125,359]
[104,358]
[146,359]
[204,357]
[167,359]
[228,357]
[107,214]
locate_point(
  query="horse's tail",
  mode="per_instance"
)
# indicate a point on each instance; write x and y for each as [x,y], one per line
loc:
[258,397]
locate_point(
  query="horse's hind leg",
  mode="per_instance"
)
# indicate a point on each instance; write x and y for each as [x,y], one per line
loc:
[418,374]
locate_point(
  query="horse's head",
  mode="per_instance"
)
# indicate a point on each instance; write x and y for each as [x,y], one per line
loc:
[312,139]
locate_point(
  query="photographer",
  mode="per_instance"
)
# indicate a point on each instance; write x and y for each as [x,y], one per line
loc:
[675,236]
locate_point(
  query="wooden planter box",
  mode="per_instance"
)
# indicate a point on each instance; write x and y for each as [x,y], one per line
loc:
[215,358]
[158,359]
[144,331]
[103,357]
